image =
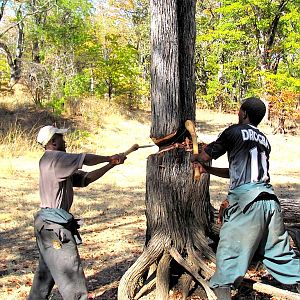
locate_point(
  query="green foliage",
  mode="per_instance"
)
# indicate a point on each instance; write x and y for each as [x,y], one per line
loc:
[77,85]
[56,105]
[284,82]
[4,70]
[76,138]
[67,25]
[71,90]
[102,48]
[116,56]
[241,44]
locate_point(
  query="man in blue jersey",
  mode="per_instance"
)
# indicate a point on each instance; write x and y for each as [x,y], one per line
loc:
[252,223]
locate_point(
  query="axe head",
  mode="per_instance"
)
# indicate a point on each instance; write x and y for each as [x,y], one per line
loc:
[146,146]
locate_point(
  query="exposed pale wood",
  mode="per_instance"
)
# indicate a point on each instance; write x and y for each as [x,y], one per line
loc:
[190,126]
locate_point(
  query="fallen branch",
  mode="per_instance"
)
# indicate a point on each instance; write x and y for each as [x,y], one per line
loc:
[176,255]
[270,290]
[147,287]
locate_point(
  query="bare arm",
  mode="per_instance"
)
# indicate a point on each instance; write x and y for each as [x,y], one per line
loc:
[220,172]
[202,158]
[96,174]
[93,159]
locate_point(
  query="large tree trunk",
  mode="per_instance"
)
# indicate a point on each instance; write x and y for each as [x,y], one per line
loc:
[14,61]
[178,210]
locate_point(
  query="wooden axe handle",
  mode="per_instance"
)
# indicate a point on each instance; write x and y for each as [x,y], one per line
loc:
[131,149]
[189,125]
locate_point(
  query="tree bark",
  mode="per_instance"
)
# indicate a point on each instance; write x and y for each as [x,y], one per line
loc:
[291,218]
[15,63]
[178,209]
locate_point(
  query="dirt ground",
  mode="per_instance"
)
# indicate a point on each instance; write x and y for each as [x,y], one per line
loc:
[112,208]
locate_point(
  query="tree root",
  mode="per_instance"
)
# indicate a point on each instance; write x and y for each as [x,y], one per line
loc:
[152,270]
[198,261]
[201,243]
[176,255]
[162,277]
[186,279]
[185,283]
[144,289]
[159,274]
[129,280]
[149,282]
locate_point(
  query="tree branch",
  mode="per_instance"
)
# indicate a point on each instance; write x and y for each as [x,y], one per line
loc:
[7,52]
[42,9]
[273,28]
[270,290]
[3,3]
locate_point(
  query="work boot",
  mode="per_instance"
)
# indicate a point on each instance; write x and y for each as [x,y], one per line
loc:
[223,293]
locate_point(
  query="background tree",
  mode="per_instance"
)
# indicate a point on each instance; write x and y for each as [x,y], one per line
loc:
[12,22]
[118,70]
[242,46]
[67,50]
[177,207]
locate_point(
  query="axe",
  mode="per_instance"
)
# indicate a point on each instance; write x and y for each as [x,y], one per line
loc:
[136,147]
[132,149]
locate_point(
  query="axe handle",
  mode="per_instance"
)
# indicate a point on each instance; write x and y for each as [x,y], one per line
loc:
[131,149]
[189,125]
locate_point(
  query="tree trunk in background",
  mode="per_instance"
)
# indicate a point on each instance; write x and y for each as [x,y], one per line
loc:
[270,52]
[178,209]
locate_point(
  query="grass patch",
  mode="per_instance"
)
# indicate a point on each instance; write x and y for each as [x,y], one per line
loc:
[15,140]
[20,123]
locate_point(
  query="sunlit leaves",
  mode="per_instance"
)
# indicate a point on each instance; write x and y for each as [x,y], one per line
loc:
[241,43]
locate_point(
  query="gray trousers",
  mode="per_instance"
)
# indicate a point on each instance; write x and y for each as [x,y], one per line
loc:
[60,264]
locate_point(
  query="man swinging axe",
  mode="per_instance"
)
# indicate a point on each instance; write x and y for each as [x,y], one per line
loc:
[55,228]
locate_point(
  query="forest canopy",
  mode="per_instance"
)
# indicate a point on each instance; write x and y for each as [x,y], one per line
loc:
[65,50]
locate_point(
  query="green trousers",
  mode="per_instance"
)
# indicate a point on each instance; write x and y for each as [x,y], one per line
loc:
[259,229]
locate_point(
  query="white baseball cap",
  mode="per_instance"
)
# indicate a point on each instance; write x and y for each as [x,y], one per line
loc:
[46,133]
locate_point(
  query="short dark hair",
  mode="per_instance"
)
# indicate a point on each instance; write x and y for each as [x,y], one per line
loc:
[255,109]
